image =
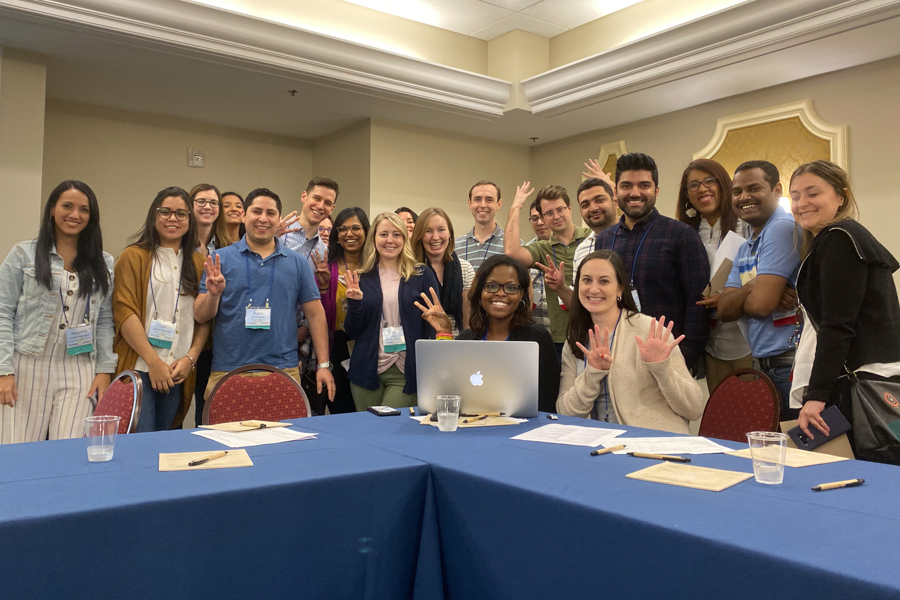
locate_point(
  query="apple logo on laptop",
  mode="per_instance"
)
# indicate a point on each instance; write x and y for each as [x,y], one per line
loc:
[476,379]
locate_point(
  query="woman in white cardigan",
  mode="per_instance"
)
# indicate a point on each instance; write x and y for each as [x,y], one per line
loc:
[618,365]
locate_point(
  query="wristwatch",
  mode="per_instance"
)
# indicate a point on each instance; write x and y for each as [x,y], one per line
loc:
[325,365]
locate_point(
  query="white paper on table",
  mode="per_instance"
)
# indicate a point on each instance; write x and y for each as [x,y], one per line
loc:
[667,445]
[727,249]
[572,435]
[255,437]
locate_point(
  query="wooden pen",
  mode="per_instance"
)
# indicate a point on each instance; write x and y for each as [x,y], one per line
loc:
[667,457]
[838,484]
[197,463]
[607,450]
[472,420]
[253,424]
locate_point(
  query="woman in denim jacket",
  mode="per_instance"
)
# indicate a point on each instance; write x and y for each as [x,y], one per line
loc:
[56,326]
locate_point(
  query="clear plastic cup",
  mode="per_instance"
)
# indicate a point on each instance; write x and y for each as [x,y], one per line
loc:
[768,450]
[447,412]
[100,432]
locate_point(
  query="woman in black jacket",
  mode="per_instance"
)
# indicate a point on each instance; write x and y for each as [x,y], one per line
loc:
[847,288]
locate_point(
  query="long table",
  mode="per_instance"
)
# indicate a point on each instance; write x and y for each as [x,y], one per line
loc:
[530,520]
[325,518]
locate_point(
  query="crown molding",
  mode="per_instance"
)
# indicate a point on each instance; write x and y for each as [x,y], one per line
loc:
[728,37]
[257,44]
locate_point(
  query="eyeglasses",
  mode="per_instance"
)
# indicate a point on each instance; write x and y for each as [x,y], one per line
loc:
[707,183]
[559,211]
[326,230]
[165,213]
[343,229]
[201,202]
[492,287]
[535,218]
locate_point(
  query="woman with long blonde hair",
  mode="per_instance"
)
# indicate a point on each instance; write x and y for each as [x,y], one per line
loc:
[383,318]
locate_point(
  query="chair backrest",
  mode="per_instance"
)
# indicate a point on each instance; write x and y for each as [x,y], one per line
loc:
[737,407]
[270,394]
[123,399]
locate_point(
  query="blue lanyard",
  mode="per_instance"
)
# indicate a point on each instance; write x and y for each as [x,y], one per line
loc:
[250,284]
[153,295]
[87,304]
[484,337]
[636,254]
[483,258]
[612,338]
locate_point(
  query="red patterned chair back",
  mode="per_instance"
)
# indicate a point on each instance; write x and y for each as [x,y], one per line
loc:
[274,396]
[737,406]
[123,399]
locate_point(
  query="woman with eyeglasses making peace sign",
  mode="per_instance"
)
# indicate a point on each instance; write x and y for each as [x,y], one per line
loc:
[157,279]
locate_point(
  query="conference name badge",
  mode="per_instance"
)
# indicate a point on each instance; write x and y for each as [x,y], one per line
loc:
[258,318]
[79,339]
[393,339]
[161,334]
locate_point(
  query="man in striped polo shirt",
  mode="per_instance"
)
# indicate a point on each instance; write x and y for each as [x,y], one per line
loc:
[485,239]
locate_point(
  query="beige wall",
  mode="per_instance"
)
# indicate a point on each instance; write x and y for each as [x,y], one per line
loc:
[420,168]
[22,85]
[128,157]
[345,156]
[864,98]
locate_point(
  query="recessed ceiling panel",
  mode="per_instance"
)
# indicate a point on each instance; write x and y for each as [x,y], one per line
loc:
[572,13]
[518,21]
[461,16]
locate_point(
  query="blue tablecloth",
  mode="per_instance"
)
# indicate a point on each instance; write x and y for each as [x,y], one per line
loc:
[325,518]
[530,520]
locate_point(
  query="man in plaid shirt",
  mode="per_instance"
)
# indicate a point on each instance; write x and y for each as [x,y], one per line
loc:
[664,258]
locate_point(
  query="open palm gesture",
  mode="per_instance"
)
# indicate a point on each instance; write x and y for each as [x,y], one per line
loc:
[288,224]
[353,291]
[593,169]
[522,193]
[599,355]
[433,312]
[657,347]
[215,281]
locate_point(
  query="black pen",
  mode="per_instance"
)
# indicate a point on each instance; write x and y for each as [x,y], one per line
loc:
[667,457]
[838,484]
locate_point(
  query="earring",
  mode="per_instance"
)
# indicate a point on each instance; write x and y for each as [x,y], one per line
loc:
[618,298]
[522,301]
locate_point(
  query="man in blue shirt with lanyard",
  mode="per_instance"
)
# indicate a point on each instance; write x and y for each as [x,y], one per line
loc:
[253,288]
[666,260]
[486,238]
[759,292]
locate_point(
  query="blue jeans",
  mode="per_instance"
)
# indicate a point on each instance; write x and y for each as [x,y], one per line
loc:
[157,408]
[781,377]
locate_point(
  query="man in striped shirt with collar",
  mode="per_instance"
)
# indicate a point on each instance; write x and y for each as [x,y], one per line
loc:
[317,203]
[485,239]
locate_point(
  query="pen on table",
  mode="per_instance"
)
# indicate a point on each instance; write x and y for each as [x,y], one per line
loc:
[838,484]
[253,424]
[607,450]
[472,420]
[667,457]
[412,411]
[197,463]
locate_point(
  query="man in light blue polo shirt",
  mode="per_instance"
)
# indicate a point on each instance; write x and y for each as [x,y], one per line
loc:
[486,238]
[253,288]
[760,290]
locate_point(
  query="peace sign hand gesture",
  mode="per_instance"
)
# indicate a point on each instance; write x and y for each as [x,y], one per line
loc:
[322,272]
[553,276]
[353,291]
[215,281]
[600,354]
[657,348]
[284,226]
[433,312]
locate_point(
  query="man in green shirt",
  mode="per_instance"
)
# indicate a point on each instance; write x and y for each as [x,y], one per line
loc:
[553,256]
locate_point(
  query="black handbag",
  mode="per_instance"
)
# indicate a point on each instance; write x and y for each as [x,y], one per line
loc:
[876,419]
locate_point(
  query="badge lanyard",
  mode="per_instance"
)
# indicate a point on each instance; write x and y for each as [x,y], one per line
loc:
[80,338]
[250,284]
[162,333]
[153,295]
[612,338]
[483,258]
[634,292]
[258,318]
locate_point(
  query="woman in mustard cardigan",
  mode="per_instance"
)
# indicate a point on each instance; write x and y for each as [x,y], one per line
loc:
[157,278]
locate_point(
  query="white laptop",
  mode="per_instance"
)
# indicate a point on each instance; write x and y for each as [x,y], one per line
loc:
[488,376]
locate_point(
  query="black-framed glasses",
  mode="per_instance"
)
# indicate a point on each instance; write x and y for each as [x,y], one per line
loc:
[707,183]
[343,229]
[203,202]
[165,213]
[549,214]
[492,287]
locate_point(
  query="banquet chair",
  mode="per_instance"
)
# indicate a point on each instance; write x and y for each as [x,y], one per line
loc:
[255,392]
[123,399]
[738,406]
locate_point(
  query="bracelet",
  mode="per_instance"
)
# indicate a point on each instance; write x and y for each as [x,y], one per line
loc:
[193,364]
[444,336]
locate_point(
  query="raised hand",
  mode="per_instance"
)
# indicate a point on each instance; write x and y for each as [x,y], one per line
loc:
[433,312]
[284,226]
[599,355]
[553,276]
[353,291]
[657,347]
[215,281]
[593,169]
[322,272]
[522,193]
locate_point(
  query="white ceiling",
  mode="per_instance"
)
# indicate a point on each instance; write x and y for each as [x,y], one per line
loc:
[487,19]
